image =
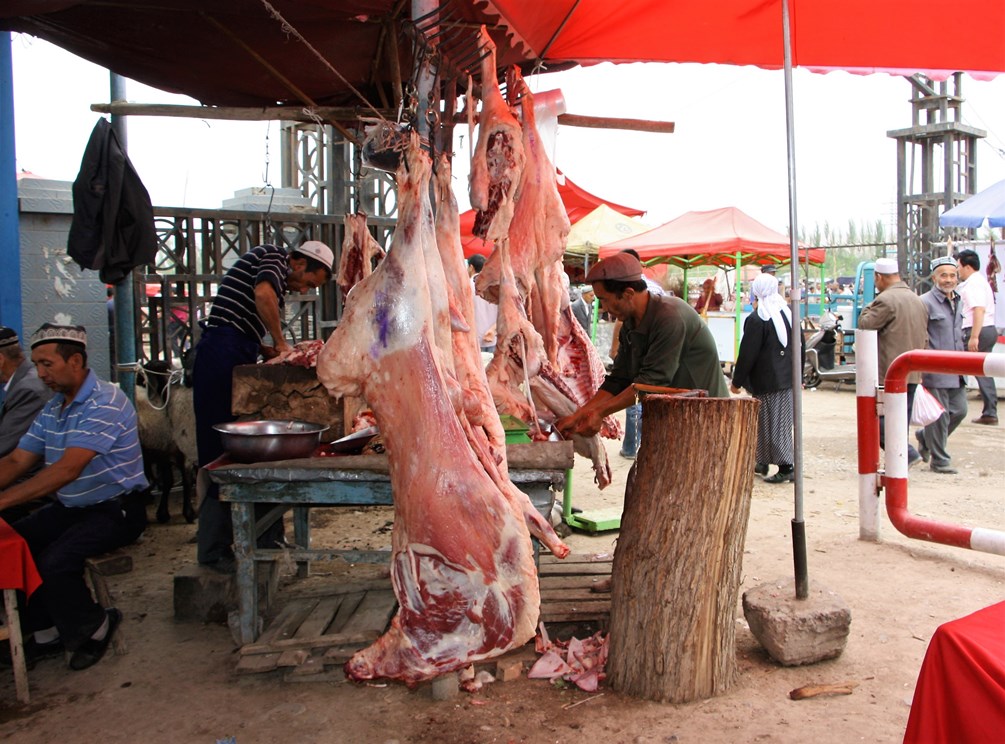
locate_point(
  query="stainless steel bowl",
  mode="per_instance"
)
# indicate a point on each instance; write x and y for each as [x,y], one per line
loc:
[262,441]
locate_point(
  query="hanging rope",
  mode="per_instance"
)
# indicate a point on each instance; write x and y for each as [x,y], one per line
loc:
[288,29]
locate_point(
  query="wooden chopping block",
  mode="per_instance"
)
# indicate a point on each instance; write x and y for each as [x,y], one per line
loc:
[283,391]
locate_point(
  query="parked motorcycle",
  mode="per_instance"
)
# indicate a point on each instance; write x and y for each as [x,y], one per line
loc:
[822,359]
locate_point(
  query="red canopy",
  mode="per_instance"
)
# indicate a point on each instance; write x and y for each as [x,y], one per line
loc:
[578,203]
[855,35]
[711,238]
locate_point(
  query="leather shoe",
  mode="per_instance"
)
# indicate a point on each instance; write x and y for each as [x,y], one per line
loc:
[781,477]
[944,469]
[91,651]
[987,420]
[761,468]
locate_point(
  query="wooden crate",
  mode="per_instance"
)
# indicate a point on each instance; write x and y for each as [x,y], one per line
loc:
[575,589]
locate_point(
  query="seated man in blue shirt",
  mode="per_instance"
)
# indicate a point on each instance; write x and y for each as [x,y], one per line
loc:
[86,435]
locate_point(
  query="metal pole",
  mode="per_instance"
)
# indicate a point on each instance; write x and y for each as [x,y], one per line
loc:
[125,324]
[798,525]
[10,245]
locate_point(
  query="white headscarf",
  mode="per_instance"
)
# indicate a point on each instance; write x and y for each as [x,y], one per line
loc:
[771,306]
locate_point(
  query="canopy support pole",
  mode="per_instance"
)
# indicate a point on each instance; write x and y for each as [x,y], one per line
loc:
[737,309]
[125,319]
[10,246]
[798,525]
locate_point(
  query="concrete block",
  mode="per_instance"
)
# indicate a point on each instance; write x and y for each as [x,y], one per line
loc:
[508,670]
[797,631]
[445,687]
[203,595]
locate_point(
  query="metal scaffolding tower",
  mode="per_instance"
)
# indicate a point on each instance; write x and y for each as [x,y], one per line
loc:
[936,169]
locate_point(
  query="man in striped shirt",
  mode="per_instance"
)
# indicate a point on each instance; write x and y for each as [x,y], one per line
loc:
[246,307]
[86,435]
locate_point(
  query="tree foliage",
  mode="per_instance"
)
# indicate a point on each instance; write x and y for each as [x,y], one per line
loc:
[859,241]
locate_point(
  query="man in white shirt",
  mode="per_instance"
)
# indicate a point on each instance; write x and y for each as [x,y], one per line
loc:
[485,311]
[979,332]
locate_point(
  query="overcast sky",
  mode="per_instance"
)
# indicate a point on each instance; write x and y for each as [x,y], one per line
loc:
[729,148]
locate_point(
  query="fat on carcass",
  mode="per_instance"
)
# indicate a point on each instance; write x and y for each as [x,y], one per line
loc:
[303,354]
[498,160]
[359,250]
[462,563]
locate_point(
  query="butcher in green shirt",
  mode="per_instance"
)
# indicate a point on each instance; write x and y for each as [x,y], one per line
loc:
[663,341]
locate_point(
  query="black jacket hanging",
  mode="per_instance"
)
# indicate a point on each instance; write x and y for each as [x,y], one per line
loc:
[113,219]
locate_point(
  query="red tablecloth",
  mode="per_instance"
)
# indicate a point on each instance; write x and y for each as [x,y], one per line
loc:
[960,695]
[17,569]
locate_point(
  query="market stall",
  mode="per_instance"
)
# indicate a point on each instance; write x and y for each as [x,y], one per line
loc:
[726,238]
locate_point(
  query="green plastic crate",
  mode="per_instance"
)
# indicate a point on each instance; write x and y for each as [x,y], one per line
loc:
[515,429]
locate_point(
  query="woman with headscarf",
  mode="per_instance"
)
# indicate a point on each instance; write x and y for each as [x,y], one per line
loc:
[764,368]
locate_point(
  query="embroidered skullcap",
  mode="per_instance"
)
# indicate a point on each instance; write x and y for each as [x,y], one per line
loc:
[8,337]
[943,261]
[50,333]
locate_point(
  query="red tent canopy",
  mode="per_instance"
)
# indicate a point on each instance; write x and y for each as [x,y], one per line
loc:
[578,203]
[711,238]
[855,35]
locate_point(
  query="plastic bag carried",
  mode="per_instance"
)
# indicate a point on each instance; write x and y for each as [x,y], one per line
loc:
[926,409]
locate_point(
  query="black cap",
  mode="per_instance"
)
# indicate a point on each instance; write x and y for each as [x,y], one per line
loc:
[8,337]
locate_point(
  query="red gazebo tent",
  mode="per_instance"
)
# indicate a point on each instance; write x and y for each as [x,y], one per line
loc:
[717,237]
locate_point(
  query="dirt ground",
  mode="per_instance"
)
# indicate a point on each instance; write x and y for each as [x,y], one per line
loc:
[178,684]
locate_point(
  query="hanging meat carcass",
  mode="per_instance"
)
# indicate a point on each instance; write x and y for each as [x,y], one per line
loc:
[498,160]
[359,250]
[462,563]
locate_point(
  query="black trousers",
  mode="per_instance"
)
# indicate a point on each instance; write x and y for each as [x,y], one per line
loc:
[219,351]
[60,539]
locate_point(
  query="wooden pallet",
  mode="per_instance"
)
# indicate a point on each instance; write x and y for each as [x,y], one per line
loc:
[569,588]
[315,634]
[311,633]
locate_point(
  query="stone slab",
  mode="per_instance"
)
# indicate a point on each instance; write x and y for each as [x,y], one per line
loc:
[203,595]
[797,631]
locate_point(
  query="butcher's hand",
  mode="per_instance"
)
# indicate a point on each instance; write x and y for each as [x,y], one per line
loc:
[268,352]
[734,389]
[585,422]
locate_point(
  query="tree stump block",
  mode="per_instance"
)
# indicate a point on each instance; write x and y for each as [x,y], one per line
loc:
[676,572]
[283,391]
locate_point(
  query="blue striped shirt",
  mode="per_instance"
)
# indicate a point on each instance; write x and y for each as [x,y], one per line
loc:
[100,419]
[234,304]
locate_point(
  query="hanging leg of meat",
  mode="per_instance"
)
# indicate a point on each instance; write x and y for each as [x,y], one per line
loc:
[499,158]
[580,366]
[359,249]
[462,564]
[519,351]
[478,414]
[478,407]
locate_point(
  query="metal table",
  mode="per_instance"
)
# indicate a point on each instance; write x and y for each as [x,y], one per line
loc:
[538,469]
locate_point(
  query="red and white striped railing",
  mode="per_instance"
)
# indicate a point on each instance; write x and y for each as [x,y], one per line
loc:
[894,479]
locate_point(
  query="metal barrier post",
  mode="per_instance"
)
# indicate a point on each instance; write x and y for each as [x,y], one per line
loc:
[866,384]
[958,362]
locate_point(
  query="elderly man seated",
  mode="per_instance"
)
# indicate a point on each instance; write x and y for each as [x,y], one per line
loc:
[22,396]
[86,435]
